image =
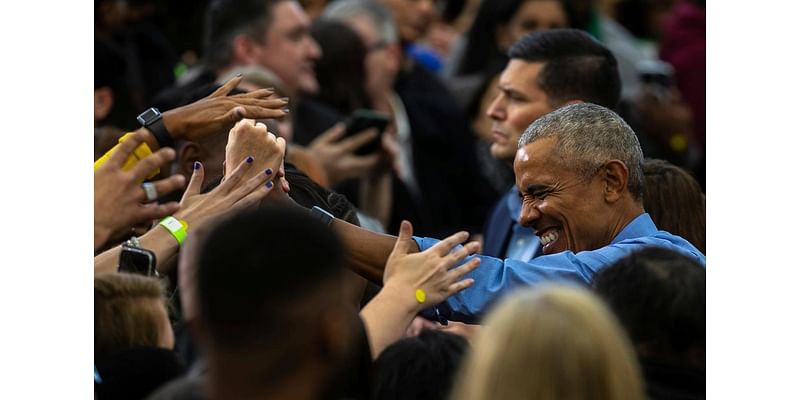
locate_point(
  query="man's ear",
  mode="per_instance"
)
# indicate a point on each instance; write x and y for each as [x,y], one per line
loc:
[615,179]
[245,50]
[188,153]
[103,102]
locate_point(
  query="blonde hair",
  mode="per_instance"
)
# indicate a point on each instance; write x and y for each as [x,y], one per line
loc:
[550,343]
[126,312]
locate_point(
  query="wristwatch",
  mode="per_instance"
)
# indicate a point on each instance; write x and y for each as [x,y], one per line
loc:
[151,119]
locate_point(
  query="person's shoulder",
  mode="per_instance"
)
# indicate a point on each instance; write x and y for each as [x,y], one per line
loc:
[662,239]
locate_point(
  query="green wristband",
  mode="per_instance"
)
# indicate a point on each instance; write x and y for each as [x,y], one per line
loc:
[176,227]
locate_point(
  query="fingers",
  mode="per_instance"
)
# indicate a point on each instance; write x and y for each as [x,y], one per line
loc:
[331,135]
[445,246]
[458,255]
[256,94]
[160,211]
[196,181]
[403,245]
[125,149]
[254,195]
[458,273]
[235,176]
[352,143]
[227,87]
[257,112]
[165,186]
[459,286]
[147,165]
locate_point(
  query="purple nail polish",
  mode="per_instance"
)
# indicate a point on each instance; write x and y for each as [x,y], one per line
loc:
[268,171]
[269,185]
[196,165]
[249,159]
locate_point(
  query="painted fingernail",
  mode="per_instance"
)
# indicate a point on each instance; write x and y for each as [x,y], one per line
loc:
[286,110]
[271,89]
[268,171]
[196,165]
[269,185]
[239,74]
[249,159]
[285,99]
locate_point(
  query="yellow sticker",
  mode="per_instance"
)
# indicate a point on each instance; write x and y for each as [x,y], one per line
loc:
[420,296]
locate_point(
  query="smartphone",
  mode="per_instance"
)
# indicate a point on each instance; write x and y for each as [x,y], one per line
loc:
[137,261]
[364,119]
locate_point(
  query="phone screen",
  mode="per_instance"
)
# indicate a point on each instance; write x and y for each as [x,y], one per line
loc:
[137,261]
[365,119]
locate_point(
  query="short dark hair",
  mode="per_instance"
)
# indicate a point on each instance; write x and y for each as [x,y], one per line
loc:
[659,297]
[225,19]
[259,272]
[576,66]
[419,368]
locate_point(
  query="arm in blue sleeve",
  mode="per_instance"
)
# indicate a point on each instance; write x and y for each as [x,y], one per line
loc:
[495,278]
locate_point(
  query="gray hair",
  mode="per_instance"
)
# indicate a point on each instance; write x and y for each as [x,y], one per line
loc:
[589,135]
[380,16]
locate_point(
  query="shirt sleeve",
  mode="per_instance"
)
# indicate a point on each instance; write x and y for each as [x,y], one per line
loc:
[496,277]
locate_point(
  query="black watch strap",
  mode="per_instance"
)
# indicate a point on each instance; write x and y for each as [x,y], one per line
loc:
[152,120]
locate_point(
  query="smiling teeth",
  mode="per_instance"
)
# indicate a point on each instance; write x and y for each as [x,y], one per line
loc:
[548,238]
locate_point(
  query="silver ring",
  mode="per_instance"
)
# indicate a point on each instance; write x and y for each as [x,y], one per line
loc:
[150,191]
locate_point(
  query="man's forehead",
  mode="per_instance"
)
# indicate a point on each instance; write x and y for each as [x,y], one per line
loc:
[520,73]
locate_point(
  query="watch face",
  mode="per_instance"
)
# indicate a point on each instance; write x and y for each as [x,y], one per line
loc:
[148,116]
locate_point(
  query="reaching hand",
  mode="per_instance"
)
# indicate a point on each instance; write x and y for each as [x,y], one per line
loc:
[218,112]
[234,193]
[431,270]
[338,157]
[118,194]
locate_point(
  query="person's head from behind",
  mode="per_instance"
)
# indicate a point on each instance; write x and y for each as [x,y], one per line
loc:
[421,367]
[341,70]
[271,301]
[129,311]
[659,297]
[675,201]
[375,25]
[270,33]
[579,174]
[549,70]
[550,343]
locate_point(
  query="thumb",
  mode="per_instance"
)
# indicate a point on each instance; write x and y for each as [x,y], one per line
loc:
[403,245]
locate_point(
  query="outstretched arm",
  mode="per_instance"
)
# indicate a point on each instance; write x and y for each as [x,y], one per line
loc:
[414,281]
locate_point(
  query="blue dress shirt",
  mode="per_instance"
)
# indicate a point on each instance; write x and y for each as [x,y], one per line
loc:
[495,277]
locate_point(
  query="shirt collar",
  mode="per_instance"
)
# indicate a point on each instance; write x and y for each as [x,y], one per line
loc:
[641,226]
[513,203]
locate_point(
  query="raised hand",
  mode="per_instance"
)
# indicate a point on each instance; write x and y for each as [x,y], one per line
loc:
[338,157]
[119,195]
[234,193]
[432,271]
[219,112]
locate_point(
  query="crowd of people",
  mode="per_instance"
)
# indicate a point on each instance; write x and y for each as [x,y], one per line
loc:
[399,199]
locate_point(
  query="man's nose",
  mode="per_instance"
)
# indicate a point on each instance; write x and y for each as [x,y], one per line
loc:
[496,111]
[528,216]
[314,51]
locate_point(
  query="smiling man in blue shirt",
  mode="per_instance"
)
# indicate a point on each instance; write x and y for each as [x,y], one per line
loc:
[579,173]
